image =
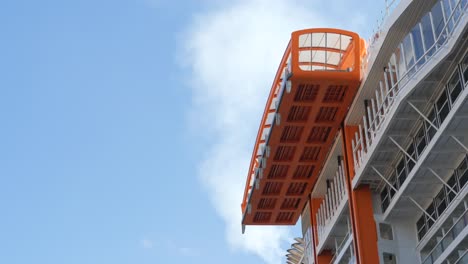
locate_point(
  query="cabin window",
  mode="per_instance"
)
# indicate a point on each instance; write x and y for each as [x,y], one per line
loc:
[386,231]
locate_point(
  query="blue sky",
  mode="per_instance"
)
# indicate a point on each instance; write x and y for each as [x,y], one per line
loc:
[127,125]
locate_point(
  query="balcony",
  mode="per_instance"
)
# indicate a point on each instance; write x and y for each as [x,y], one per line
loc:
[416,57]
[455,235]
[317,79]
[344,253]
[332,207]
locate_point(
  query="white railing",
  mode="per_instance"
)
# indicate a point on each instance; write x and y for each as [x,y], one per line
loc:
[336,195]
[343,247]
[389,7]
[377,111]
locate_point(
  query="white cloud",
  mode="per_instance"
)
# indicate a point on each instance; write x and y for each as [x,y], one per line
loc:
[232,53]
[146,243]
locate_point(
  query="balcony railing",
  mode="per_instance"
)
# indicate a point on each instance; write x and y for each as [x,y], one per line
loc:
[335,197]
[463,258]
[418,47]
[345,243]
[443,199]
[424,135]
[447,239]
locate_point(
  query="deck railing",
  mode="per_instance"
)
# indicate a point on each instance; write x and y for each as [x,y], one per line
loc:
[404,63]
[336,195]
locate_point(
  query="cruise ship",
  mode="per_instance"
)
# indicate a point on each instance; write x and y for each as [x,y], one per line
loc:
[366,141]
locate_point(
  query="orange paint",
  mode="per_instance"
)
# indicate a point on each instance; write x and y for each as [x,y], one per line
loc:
[325,257]
[365,233]
[310,116]
[362,214]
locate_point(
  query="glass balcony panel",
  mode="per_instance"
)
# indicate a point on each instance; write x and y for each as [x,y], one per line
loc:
[409,54]
[456,9]
[399,55]
[438,23]
[428,34]
[418,45]
[447,13]
[438,250]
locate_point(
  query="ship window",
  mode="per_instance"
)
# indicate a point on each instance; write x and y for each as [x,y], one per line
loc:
[385,200]
[456,9]
[455,87]
[418,44]
[452,182]
[430,130]
[401,172]
[465,67]
[399,54]
[389,258]
[442,106]
[448,12]
[420,141]
[386,231]
[440,202]
[409,54]
[421,226]
[428,35]
[462,172]
[409,161]
[430,211]
[438,22]
[393,181]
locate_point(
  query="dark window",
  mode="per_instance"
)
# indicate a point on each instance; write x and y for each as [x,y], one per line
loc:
[440,202]
[462,172]
[401,172]
[409,161]
[420,140]
[430,130]
[442,106]
[452,182]
[454,86]
[430,211]
[464,66]
[384,198]
[421,226]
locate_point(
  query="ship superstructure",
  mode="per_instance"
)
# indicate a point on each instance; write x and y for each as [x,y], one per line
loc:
[368,143]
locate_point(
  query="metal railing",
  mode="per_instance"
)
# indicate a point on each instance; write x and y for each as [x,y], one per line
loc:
[336,195]
[340,248]
[447,239]
[384,100]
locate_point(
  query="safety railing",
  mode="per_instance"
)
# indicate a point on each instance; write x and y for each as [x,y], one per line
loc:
[344,245]
[397,74]
[447,239]
[389,7]
[336,195]
[261,150]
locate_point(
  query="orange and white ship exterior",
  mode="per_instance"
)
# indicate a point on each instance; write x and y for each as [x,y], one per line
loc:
[367,142]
